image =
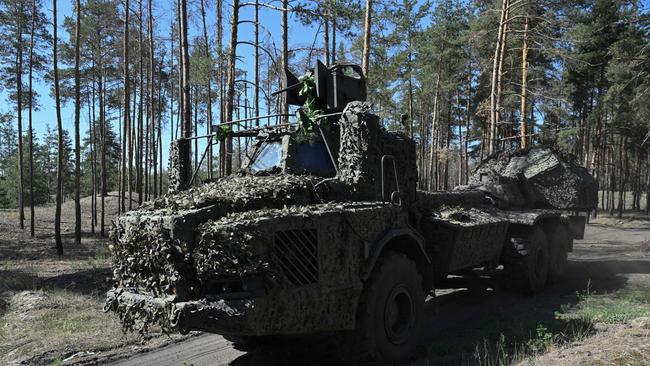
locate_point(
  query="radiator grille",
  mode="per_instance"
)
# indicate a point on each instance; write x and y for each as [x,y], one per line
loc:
[295,253]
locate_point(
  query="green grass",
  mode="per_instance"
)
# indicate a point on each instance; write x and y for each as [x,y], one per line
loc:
[575,322]
[617,307]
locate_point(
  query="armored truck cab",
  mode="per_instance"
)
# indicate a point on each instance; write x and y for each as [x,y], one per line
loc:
[327,233]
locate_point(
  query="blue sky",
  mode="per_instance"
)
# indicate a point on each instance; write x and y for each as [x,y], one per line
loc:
[270,19]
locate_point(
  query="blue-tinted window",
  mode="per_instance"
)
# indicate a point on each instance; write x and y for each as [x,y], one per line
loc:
[314,158]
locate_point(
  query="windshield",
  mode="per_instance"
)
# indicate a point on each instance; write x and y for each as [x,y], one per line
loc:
[304,157]
[267,157]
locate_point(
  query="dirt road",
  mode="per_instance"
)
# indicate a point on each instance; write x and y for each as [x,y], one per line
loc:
[471,313]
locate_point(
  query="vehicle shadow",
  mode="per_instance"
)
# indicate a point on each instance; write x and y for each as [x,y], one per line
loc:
[474,313]
[88,281]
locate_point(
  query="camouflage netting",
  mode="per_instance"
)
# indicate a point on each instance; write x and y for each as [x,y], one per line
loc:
[241,192]
[138,315]
[145,257]
[179,168]
[153,245]
[237,246]
[363,143]
[538,177]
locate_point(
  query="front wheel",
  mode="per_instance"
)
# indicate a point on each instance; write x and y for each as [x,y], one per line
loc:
[390,314]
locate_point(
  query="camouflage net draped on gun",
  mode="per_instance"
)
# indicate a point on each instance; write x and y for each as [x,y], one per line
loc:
[539,177]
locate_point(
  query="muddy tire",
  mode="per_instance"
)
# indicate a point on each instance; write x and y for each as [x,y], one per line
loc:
[389,316]
[559,241]
[528,268]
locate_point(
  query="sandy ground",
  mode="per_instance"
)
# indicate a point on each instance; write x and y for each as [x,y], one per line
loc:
[466,319]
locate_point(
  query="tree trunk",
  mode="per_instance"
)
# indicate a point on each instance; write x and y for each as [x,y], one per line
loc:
[524,87]
[230,93]
[77,140]
[285,56]
[333,30]
[222,147]
[409,127]
[256,94]
[31,132]
[59,126]
[209,88]
[647,185]
[152,116]
[127,100]
[326,34]
[187,122]
[139,181]
[432,147]
[495,75]
[19,105]
[366,38]
[468,122]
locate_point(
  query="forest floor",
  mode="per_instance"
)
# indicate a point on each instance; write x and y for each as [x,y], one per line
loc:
[50,308]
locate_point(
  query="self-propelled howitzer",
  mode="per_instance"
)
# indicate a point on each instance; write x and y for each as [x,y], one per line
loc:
[324,231]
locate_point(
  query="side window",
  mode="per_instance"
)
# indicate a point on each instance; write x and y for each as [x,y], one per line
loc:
[314,159]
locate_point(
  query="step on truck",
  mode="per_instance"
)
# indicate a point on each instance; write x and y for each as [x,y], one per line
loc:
[323,230]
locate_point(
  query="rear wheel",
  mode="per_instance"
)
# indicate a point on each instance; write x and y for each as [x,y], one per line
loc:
[559,242]
[528,268]
[389,315]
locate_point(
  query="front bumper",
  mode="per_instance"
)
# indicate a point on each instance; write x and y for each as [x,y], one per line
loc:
[138,311]
[303,310]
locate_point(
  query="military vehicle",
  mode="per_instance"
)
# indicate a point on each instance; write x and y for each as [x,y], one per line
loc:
[323,231]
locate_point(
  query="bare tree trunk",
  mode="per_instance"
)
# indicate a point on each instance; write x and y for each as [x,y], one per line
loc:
[502,57]
[222,146]
[285,56]
[647,185]
[409,127]
[31,132]
[524,86]
[91,121]
[434,121]
[232,56]
[209,87]
[102,118]
[366,38]
[326,34]
[19,109]
[495,75]
[141,105]
[77,147]
[467,122]
[257,63]
[59,125]
[333,30]
[460,140]
[447,144]
[152,117]
[127,100]
[187,106]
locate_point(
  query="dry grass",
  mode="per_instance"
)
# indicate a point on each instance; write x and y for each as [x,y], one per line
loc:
[51,306]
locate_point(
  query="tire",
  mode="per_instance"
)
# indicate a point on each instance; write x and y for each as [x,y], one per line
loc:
[559,242]
[529,271]
[389,316]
